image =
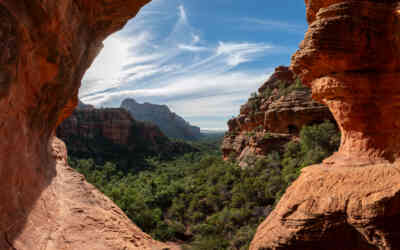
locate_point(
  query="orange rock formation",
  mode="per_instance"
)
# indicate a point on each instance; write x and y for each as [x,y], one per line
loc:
[349,58]
[268,121]
[46,46]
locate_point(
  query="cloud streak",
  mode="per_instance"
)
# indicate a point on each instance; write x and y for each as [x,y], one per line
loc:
[254,24]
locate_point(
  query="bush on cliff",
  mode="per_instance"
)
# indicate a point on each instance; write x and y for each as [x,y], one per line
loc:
[316,143]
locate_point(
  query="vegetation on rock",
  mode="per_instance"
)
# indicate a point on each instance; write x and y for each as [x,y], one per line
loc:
[271,117]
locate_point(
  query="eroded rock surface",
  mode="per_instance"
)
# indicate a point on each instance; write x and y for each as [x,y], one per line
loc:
[72,214]
[272,118]
[46,46]
[349,58]
[330,208]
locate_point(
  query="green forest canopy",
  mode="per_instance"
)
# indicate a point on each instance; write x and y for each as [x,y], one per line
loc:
[201,201]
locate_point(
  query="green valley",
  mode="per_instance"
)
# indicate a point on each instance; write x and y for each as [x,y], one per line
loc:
[202,202]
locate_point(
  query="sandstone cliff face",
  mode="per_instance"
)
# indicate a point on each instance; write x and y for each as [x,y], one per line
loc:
[46,46]
[272,118]
[349,58]
[112,134]
[114,125]
[170,123]
[73,214]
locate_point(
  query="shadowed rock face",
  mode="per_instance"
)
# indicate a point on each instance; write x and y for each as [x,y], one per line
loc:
[171,124]
[46,46]
[349,58]
[87,127]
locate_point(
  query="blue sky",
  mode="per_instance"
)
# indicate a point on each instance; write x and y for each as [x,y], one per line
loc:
[201,58]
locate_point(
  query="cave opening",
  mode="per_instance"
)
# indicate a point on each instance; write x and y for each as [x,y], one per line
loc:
[165,60]
[150,68]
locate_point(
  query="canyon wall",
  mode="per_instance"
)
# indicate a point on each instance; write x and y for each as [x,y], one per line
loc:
[111,134]
[171,124]
[46,46]
[350,59]
[271,118]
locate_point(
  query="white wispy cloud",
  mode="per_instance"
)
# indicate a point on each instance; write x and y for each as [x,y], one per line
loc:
[173,64]
[238,53]
[191,47]
[250,23]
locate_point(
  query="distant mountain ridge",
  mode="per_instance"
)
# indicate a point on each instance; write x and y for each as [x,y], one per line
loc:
[169,122]
[82,105]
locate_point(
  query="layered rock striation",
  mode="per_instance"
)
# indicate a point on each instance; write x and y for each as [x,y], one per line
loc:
[46,47]
[349,58]
[111,134]
[271,118]
[170,123]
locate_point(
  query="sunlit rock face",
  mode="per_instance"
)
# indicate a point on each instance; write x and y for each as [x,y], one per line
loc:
[350,59]
[272,119]
[46,46]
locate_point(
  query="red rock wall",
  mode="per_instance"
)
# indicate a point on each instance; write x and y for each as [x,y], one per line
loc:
[350,59]
[269,121]
[111,134]
[46,46]
[111,124]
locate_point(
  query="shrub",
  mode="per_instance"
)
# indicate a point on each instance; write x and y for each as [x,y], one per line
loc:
[267,92]
[253,95]
[267,136]
[316,143]
[250,133]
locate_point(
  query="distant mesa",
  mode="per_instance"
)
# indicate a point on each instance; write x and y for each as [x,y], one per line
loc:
[171,124]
